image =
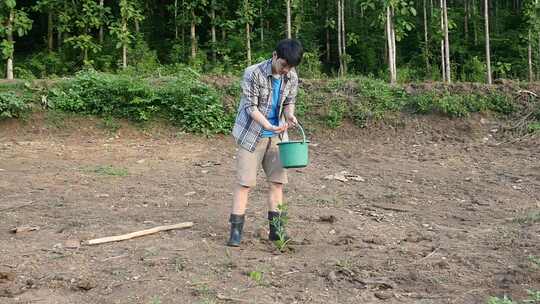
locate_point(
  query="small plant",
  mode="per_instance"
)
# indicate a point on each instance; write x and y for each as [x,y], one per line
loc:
[533,127]
[256,276]
[533,217]
[155,300]
[334,119]
[108,170]
[497,300]
[280,222]
[534,297]
[535,260]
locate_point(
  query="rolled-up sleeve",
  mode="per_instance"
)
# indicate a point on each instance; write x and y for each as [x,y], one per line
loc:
[250,91]
[291,97]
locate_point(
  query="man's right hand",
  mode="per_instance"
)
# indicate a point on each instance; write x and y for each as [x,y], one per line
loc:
[277,129]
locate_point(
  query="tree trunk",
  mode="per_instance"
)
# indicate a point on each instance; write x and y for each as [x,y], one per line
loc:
[426,40]
[443,60]
[343,38]
[50,44]
[137,29]
[175,19]
[327,44]
[193,38]
[213,32]
[529,49]
[248,44]
[124,46]
[488,55]
[9,34]
[262,24]
[393,40]
[289,31]
[100,35]
[340,55]
[466,20]
[447,44]
[389,36]
[475,26]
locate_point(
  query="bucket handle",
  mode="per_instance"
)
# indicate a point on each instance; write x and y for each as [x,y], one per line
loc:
[303,133]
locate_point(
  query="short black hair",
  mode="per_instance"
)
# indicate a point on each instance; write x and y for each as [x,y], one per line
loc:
[291,50]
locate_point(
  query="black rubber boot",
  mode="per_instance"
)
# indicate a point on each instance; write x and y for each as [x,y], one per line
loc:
[237,225]
[277,225]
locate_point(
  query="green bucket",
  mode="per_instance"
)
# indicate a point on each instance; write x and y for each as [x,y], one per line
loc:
[294,154]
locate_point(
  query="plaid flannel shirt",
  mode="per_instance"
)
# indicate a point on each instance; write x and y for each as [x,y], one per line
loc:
[257,96]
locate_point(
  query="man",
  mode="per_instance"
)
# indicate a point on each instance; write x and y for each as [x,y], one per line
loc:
[265,112]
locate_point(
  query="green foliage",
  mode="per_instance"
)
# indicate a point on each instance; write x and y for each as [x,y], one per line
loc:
[108,170]
[335,116]
[256,276]
[182,99]
[311,65]
[280,222]
[531,218]
[194,106]
[533,298]
[103,94]
[503,300]
[44,64]
[460,105]
[535,260]
[13,105]
[375,98]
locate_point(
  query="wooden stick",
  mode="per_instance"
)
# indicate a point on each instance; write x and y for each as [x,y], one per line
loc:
[138,233]
[17,207]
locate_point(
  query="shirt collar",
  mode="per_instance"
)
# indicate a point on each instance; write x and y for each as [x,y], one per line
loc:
[268,70]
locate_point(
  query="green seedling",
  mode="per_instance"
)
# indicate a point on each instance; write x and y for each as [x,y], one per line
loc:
[280,222]
[256,276]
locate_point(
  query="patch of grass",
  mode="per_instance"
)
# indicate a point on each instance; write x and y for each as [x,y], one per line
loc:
[110,124]
[531,218]
[503,300]
[155,300]
[206,294]
[533,127]
[256,276]
[534,297]
[535,260]
[108,170]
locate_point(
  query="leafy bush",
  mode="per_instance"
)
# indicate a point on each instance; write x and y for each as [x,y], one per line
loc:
[460,105]
[474,70]
[13,105]
[311,66]
[46,64]
[334,118]
[183,99]
[103,94]
[194,106]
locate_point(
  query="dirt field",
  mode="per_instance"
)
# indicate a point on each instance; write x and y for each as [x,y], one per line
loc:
[436,212]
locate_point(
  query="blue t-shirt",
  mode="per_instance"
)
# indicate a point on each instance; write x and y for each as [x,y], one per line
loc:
[273,114]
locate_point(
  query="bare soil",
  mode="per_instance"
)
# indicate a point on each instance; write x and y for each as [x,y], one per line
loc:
[437,211]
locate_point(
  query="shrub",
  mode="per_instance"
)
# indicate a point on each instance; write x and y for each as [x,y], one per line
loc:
[13,105]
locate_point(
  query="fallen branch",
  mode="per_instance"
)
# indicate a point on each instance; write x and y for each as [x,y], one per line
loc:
[17,207]
[226,298]
[138,233]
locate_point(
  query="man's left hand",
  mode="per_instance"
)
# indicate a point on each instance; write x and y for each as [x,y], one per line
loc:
[291,120]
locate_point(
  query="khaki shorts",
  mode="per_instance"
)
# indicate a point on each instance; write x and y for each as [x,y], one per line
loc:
[266,154]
